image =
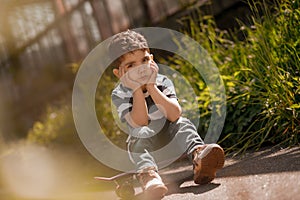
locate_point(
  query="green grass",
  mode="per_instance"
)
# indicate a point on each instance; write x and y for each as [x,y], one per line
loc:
[261,75]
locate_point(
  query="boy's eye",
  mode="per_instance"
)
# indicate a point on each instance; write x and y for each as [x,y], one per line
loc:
[146,59]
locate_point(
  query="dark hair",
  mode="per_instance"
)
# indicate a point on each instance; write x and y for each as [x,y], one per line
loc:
[126,42]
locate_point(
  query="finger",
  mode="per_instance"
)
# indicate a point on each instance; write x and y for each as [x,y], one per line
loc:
[153,64]
[154,68]
[152,77]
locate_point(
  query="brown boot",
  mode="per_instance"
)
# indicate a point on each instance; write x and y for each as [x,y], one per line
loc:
[207,159]
[152,184]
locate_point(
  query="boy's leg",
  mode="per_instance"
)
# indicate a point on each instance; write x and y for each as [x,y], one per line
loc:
[141,145]
[206,158]
[143,141]
[139,149]
[186,134]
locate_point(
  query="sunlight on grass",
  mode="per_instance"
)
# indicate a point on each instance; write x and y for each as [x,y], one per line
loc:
[260,73]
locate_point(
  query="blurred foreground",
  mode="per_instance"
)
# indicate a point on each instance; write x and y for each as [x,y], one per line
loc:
[30,171]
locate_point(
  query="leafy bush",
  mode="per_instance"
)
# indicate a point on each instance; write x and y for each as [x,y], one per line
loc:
[56,127]
[261,75]
[106,114]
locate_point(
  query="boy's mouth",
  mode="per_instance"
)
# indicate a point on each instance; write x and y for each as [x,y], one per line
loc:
[144,77]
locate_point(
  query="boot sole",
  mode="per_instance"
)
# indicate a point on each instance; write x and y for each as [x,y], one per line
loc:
[212,159]
[156,192]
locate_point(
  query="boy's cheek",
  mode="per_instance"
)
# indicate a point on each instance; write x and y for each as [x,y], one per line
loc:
[132,74]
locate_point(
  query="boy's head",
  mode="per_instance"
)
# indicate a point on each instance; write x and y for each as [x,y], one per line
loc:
[126,42]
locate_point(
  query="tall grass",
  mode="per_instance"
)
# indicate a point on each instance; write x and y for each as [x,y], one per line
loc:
[261,75]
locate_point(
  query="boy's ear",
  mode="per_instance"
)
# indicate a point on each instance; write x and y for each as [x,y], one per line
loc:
[151,56]
[116,73]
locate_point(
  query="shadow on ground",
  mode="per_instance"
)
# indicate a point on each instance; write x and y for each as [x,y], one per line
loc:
[267,161]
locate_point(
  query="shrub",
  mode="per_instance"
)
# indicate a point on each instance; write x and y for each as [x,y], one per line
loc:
[261,75]
[55,127]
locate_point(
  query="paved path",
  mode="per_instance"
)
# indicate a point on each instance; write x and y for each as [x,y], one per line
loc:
[268,174]
[263,175]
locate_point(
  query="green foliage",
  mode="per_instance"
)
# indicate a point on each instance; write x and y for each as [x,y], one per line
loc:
[56,127]
[261,75]
[106,113]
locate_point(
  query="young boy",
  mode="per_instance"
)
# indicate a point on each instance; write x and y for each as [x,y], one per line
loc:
[147,102]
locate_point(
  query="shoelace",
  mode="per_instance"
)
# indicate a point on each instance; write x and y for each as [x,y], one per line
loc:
[196,155]
[145,177]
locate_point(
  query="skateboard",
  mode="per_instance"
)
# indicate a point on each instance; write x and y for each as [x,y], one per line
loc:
[124,184]
[125,181]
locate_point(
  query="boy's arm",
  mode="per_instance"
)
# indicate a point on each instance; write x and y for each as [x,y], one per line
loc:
[138,116]
[169,106]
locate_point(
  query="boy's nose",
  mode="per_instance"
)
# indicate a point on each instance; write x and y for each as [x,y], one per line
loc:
[142,68]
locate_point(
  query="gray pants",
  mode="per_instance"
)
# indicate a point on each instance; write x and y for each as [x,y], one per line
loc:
[162,140]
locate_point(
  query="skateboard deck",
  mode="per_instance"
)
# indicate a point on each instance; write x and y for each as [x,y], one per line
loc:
[116,177]
[124,184]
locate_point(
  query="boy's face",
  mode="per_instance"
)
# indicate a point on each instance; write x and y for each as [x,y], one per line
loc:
[137,64]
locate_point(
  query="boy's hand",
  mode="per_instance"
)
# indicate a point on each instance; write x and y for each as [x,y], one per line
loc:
[153,73]
[128,82]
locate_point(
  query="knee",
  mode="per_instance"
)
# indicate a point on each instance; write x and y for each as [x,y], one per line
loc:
[142,132]
[183,122]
